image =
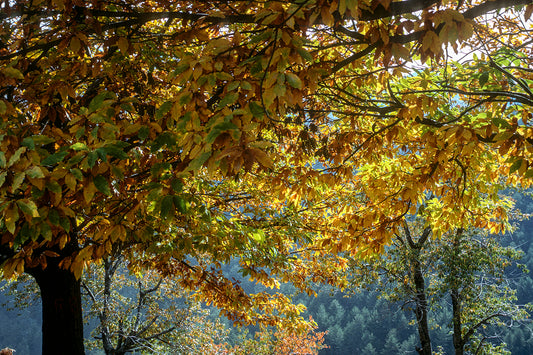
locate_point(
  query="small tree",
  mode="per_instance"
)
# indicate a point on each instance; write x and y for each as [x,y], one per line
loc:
[422,271]
[145,312]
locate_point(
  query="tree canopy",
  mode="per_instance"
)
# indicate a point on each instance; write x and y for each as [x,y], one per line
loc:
[270,133]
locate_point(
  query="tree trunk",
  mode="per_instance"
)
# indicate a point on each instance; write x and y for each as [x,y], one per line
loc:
[421,310]
[62,325]
[458,341]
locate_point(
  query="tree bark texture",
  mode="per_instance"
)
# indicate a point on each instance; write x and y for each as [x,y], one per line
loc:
[62,325]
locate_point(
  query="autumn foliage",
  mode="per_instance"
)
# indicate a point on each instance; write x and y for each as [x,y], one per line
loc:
[275,134]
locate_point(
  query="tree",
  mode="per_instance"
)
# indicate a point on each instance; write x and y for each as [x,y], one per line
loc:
[466,266]
[166,126]
[146,313]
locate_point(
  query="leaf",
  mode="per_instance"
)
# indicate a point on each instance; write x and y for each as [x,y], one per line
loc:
[115,152]
[46,231]
[528,12]
[163,109]
[11,72]
[180,204]
[102,185]
[198,162]
[3,107]
[28,207]
[218,129]
[79,146]
[3,178]
[167,206]
[293,80]
[2,160]
[53,159]
[516,165]
[11,215]
[34,172]
[42,140]
[123,44]
[483,78]
[97,102]
[259,236]
[16,157]
[228,99]
[304,54]
[91,158]
[256,109]
[262,158]
[28,143]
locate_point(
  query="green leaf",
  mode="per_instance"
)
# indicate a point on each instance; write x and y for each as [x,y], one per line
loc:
[228,99]
[144,132]
[65,223]
[77,173]
[197,163]
[53,159]
[102,185]
[167,206]
[256,109]
[16,157]
[28,143]
[483,78]
[177,185]
[163,109]
[3,177]
[53,217]
[34,172]
[42,140]
[516,165]
[2,160]
[79,146]
[17,180]
[3,107]
[181,204]
[98,100]
[259,236]
[218,129]
[180,68]
[115,152]
[53,186]
[245,85]
[46,231]
[91,158]
[293,80]
[304,54]
[28,207]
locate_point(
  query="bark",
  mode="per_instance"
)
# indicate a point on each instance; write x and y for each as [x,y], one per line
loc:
[421,311]
[62,325]
[458,341]
[421,308]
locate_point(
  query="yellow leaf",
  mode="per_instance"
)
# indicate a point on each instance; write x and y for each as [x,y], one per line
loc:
[88,191]
[262,158]
[11,215]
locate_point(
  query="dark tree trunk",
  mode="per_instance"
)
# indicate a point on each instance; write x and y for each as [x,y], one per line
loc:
[458,341]
[62,313]
[421,310]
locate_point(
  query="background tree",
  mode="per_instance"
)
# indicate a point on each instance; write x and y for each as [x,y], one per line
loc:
[145,313]
[466,266]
